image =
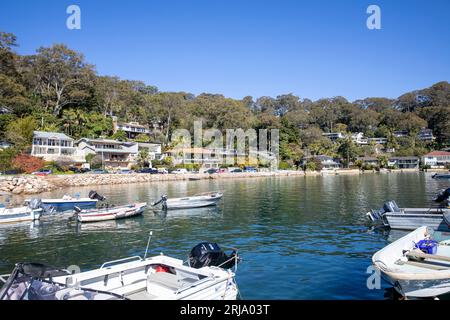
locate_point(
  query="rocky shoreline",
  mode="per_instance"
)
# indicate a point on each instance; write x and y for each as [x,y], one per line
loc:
[28,184]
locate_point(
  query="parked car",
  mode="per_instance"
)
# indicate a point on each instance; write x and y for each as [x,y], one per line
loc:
[236,170]
[10,172]
[74,170]
[85,170]
[42,172]
[99,171]
[148,170]
[163,171]
[212,171]
[125,171]
[250,169]
[180,171]
[221,170]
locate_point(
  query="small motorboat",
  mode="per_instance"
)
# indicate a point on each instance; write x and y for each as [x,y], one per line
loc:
[390,215]
[441,176]
[109,212]
[19,214]
[418,264]
[197,201]
[67,202]
[207,277]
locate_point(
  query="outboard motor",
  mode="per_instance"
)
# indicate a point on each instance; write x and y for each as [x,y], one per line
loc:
[94,195]
[443,195]
[207,254]
[163,200]
[391,206]
[35,204]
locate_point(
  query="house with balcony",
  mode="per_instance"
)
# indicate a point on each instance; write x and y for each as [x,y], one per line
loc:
[436,159]
[132,129]
[426,135]
[328,163]
[114,154]
[404,162]
[206,158]
[54,146]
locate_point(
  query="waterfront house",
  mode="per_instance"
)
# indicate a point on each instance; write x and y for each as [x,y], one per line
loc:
[436,159]
[404,162]
[52,146]
[114,154]
[132,129]
[333,136]
[328,163]
[205,158]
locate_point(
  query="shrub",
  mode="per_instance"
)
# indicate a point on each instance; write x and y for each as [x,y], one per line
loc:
[27,163]
[284,165]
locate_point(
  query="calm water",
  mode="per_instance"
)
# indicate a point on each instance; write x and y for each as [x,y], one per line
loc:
[300,237]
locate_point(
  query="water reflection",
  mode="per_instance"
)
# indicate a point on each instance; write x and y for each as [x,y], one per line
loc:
[300,237]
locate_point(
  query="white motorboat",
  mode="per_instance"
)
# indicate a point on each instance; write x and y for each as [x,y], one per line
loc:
[197,201]
[19,214]
[418,264]
[155,278]
[110,212]
[438,218]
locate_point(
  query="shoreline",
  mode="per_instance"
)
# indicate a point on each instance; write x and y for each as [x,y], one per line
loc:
[29,184]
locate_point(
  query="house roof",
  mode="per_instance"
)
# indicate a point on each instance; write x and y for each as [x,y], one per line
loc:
[404,158]
[110,141]
[50,135]
[189,150]
[437,153]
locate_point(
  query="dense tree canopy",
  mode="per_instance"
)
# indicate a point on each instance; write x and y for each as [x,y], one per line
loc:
[57,89]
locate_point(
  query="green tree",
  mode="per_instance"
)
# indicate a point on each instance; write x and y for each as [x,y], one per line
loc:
[20,132]
[348,151]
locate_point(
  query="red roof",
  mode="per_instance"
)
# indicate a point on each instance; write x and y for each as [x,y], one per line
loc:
[438,153]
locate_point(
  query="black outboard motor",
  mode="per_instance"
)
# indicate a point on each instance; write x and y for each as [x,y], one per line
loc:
[391,206]
[443,195]
[207,254]
[94,195]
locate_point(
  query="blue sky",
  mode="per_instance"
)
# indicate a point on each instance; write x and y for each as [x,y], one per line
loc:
[313,49]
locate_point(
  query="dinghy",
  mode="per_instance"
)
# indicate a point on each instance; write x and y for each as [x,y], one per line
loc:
[390,215]
[19,214]
[67,202]
[418,264]
[208,277]
[196,201]
[110,212]
[441,176]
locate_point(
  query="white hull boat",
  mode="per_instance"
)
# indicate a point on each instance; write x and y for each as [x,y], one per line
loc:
[155,278]
[110,213]
[418,264]
[394,217]
[196,201]
[20,214]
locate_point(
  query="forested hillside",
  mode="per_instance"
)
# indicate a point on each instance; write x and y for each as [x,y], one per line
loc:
[56,89]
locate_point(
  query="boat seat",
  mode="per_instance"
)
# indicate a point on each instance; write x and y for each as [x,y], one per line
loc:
[132,288]
[164,279]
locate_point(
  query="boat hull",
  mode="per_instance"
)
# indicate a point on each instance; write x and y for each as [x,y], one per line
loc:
[14,216]
[66,205]
[111,214]
[193,202]
[412,221]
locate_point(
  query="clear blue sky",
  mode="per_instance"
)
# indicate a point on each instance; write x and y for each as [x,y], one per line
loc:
[249,47]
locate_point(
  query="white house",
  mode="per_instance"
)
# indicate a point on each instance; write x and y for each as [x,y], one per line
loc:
[53,146]
[436,158]
[117,154]
[132,129]
[404,162]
